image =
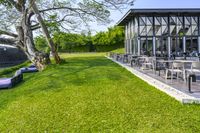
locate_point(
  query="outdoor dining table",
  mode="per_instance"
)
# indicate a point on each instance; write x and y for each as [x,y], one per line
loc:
[165,61]
[171,61]
[185,61]
[141,59]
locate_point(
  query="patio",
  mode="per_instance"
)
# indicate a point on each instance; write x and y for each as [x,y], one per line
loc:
[178,89]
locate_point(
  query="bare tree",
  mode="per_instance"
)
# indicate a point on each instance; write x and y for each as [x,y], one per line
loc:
[26,16]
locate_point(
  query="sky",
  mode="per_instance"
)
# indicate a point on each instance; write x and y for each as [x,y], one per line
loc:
[116,15]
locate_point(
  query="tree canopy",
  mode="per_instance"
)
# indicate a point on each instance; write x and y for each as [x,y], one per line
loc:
[66,42]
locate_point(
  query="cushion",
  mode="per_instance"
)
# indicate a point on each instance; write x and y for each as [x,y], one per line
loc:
[18,72]
[5,83]
[29,69]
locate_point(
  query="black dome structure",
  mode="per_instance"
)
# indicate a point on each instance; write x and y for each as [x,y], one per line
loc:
[10,56]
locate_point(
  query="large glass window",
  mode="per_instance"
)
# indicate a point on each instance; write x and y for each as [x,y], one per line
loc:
[146,45]
[136,26]
[164,26]
[132,28]
[188,26]
[180,29]
[149,26]
[150,46]
[136,45]
[129,30]
[195,44]
[142,23]
[161,46]
[173,26]
[177,46]
[194,23]
[191,45]
[173,44]
[157,24]
[126,31]
[133,46]
[143,44]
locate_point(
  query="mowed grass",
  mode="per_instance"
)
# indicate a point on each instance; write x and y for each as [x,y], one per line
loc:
[89,93]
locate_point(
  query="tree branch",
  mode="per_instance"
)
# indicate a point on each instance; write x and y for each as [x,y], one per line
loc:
[8,41]
[8,33]
[15,4]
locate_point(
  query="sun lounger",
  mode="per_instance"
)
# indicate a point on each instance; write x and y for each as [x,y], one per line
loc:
[11,82]
[31,68]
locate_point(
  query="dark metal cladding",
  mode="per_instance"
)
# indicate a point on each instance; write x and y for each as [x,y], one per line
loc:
[158,12]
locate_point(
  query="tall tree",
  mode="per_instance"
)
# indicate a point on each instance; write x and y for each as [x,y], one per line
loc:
[20,18]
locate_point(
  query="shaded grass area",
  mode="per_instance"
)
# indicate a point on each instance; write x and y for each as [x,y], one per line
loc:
[6,72]
[89,93]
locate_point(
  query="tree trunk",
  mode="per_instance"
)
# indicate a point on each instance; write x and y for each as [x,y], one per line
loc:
[46,33]
[26,43]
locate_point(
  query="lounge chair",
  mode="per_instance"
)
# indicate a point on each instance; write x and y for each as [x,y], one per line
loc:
[31,68]
[11,82]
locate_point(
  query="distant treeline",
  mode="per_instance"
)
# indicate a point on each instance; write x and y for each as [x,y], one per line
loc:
[101,42]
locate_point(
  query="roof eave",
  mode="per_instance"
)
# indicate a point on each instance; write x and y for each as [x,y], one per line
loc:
[121,21]
[135,12]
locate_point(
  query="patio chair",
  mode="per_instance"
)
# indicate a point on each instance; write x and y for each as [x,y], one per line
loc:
[125,58]
[134,61]
[159,66]
[177,68]
[118,57]
[195,69]
[149,63]
[11,82]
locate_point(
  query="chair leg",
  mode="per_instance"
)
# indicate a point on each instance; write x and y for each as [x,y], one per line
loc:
[166,74]
[172,76]
[184,76]
[177,76]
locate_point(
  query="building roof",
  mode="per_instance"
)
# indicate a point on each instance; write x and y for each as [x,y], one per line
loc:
[160,12]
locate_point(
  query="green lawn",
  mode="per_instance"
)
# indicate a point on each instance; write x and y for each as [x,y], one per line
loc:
[89,93]
[120,50]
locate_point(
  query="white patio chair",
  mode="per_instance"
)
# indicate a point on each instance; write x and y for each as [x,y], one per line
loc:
[195,69]
[149,63]
[177,68]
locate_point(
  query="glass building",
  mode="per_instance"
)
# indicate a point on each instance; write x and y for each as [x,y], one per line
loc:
[162,32]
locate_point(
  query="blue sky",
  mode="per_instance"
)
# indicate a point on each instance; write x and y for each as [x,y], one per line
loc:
[116,15]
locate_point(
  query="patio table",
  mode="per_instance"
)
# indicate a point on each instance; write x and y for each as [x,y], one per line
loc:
[185,61]
[165,61]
